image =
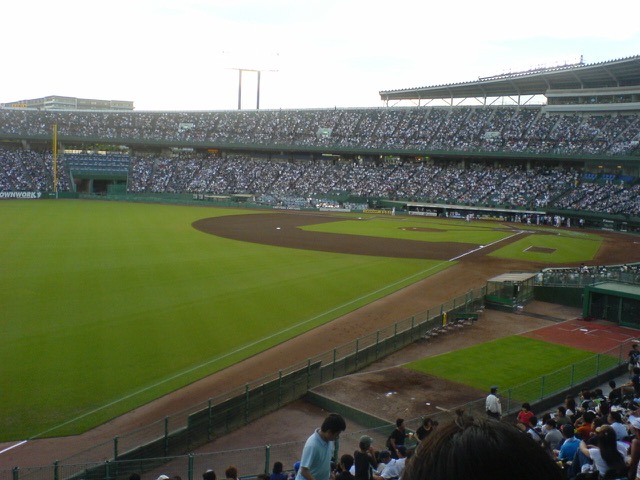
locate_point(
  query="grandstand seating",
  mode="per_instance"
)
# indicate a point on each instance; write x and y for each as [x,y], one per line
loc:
[499,182]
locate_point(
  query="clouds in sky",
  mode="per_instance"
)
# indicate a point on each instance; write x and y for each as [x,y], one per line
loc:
[184,55]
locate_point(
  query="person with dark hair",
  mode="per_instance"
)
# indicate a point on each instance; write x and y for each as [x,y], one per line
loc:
[344,468]
[209,475]
[384,457]
[533,431]
[425,429]
[277,473]
[608,455]
[493,405]
[614,418]
[471,448]
[394,469]
[553,436]
[615,395]
[525,414]
[231,473]
[397,438]
[561,417]
[571,407]
[315,463]
[583,424]
[569,446]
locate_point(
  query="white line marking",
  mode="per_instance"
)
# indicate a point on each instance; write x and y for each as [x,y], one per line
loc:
[487,245]
[13,446]
[244,347]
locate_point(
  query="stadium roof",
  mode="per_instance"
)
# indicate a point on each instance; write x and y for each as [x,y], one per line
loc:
[623,72]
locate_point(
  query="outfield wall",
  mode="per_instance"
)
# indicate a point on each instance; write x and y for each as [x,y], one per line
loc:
[594,220]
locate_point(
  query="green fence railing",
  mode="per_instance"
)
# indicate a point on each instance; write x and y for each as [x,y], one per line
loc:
[187,430]
[252,461]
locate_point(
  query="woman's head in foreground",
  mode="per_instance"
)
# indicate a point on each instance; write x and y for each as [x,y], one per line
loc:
[470,448]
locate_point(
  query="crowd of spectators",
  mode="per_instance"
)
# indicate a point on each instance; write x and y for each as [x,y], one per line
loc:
[589,274]
[489,129]
[29,171]
[484,128]
[306,183]
[576,432]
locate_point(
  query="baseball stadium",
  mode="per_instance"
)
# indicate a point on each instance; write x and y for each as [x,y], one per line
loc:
[188,290]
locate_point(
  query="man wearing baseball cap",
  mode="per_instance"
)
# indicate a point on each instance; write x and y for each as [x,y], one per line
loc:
[364,460]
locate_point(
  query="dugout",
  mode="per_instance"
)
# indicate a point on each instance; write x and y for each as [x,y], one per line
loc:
[509,290]
[613,301]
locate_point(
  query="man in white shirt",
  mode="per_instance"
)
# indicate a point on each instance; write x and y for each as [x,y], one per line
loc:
[395,467]
[492,403]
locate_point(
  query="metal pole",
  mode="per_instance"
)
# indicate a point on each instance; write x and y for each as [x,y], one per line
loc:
[190,471]
[267,458]
[166,436]
[239,89]
[258,93]
[210,421]
[333,366]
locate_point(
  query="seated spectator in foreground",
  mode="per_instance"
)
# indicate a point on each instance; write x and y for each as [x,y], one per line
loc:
[570,445]
[571,407]
[209,475]
[561,417]
[277,472]
[525,414]
[395,468]
[615,420]
[615,395]
[608,455]
[344,468]
[583,424]
[478,448]
[384,457]
[532,429]
[553,438]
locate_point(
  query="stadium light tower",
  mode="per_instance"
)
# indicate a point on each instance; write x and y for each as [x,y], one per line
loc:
[259,61]
[258,72]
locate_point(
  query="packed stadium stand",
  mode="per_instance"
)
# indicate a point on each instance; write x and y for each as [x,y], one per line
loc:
[443,155]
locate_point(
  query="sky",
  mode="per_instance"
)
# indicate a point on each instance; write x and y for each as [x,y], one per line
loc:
[186,54]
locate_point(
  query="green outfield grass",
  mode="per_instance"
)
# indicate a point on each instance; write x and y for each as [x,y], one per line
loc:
[513,362]
[107,306]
